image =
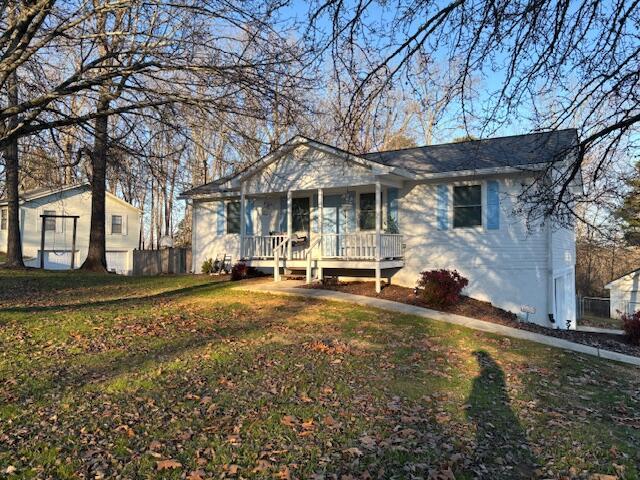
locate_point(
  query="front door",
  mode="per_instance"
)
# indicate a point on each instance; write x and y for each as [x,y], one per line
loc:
[331,224]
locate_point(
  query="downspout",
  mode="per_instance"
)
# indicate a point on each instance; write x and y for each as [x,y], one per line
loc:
[550,285]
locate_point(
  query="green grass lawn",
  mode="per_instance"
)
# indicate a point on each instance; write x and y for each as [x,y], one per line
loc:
[184,377]
[600,322]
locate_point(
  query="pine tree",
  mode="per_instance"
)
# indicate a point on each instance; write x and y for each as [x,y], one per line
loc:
[629,212]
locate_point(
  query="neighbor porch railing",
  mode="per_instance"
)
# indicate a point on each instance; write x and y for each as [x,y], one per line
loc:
[348,246]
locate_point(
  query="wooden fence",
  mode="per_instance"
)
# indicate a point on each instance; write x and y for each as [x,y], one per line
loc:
[167,260]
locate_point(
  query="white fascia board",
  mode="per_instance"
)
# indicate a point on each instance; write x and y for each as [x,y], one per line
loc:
[532,168]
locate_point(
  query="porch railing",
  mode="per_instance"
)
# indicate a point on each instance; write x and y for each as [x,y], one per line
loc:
[354,246]
[261,246]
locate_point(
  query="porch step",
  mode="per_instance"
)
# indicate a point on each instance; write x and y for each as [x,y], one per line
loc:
[293,276]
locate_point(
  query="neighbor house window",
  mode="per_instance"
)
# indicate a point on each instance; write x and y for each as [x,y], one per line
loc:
[300,214]
[367,220]
[116,224]
[233,217]
[50,223]
[467,206]
[3,218]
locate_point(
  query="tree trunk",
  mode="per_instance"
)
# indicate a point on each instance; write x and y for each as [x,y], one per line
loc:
[14,242]
[96,260]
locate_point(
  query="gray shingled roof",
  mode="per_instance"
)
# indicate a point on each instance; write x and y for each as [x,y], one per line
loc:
[513,151]
[210,187]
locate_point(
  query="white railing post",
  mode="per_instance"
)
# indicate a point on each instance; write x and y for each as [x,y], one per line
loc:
[378,244]
[289,221]
[243,220]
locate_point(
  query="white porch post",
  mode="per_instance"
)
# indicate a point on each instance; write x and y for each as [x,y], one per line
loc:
[320,222]
[243,225]
[378,238]
[289,222]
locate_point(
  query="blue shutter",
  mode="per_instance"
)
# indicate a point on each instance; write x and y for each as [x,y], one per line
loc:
[248,217]
[443,207]
[220,220]
[350,211]
[392,210]
[493,205]
[315,214]
[283,214]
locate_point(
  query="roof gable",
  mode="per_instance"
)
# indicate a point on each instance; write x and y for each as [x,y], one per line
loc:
[43,193]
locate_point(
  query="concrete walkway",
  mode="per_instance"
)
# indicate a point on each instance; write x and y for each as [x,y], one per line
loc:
[610,331]
[289,287]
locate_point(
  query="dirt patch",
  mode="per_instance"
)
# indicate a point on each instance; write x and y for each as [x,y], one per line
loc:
[470,307]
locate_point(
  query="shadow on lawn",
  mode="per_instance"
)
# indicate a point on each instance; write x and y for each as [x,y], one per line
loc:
[500,443]
[106,365]
[117,301]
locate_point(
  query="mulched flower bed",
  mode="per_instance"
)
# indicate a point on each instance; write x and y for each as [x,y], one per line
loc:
[470,307]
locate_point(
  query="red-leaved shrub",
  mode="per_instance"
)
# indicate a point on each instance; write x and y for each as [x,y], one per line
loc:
[441,288]
[241,270]
[631,326]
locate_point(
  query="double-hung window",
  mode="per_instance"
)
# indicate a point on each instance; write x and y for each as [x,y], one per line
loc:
[4,214]
[233,217]
[367,220]
[467,206]
[300,214]
[50,222]
[116,224]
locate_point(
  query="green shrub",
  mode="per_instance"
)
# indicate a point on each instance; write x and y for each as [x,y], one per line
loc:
[208,266]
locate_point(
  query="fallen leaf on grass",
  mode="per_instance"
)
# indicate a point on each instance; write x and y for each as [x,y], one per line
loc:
[167,464]
[155,446]
[289,421]
[353,451]
[196,475]
[261,466]
[283,473]
[330,422]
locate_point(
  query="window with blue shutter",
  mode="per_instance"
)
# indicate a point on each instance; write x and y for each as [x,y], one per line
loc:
[392,211]
[220,220]
[248,214]
[233,217]
[442,209]
[493,205]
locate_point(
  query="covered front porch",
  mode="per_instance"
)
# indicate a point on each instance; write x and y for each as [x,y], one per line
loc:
[312,230]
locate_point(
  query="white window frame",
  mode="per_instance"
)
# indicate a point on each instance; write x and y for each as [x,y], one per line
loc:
[121,232]
[226,217]
[54,220]
[483,205]
[4,218]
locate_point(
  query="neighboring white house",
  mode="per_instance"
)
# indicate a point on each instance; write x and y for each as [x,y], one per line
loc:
[315,208]
[624,294]
[122,228]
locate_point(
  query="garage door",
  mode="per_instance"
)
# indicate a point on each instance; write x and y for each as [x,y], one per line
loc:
[117,262]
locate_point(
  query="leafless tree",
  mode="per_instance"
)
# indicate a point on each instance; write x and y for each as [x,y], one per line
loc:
[584,55]
[127,59]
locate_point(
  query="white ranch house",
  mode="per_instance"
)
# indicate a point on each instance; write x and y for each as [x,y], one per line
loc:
[122,225]
[316,209]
